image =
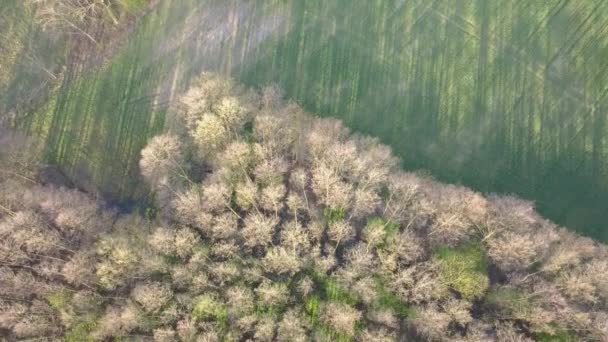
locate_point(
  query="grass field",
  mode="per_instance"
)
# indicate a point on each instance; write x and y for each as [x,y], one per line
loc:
[503,96]
[97,121]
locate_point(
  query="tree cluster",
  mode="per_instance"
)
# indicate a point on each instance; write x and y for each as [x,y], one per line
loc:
[272,224]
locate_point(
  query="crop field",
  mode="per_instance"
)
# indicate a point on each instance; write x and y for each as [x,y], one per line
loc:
[503,96]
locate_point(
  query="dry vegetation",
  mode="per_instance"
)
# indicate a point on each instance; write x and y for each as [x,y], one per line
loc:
[80,16]
[271,224]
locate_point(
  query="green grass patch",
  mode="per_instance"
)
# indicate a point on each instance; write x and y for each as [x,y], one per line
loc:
[559,336]
[59,300]
[247,131]
[388,228]
[509,302]
[207,307]
[81,330]
[389,300]
[329,334]
[262,310]
[133,5]
[331,290]
[333,215]
[464,269]
[171,259]
[328,289]
[338,293]
[312,308]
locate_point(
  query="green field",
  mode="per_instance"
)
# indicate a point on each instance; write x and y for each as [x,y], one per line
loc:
[503,96]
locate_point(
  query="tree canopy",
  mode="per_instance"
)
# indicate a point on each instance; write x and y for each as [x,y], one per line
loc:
[273,224]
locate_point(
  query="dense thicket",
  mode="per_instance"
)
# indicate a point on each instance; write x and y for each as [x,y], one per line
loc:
[272,224]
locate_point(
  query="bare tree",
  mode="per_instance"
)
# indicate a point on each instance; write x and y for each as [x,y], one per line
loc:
[341,317]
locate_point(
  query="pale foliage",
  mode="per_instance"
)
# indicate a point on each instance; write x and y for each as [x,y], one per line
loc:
[408,246]
[152,296]
[295,238]
[340,231]
[210,134]
[305,286]
[281,261]
[24,235]
[265,329]
[163,240]
[223,226]
[513,251]
[119,261]
[230,112]
[240,299]
[292,327]
[271,198]
[507,333]
[272,293]
[571,250]
[118,321]
[419,283]
[459,311]
[340,317]
[384,317]
[199,99]
[258,230]
[39,321]
[78,269]
[431,323]
[330,189]
[164,335]
[379,335]
[246,195]
[216,196]
[162,161]
[74,15]
[459,212]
